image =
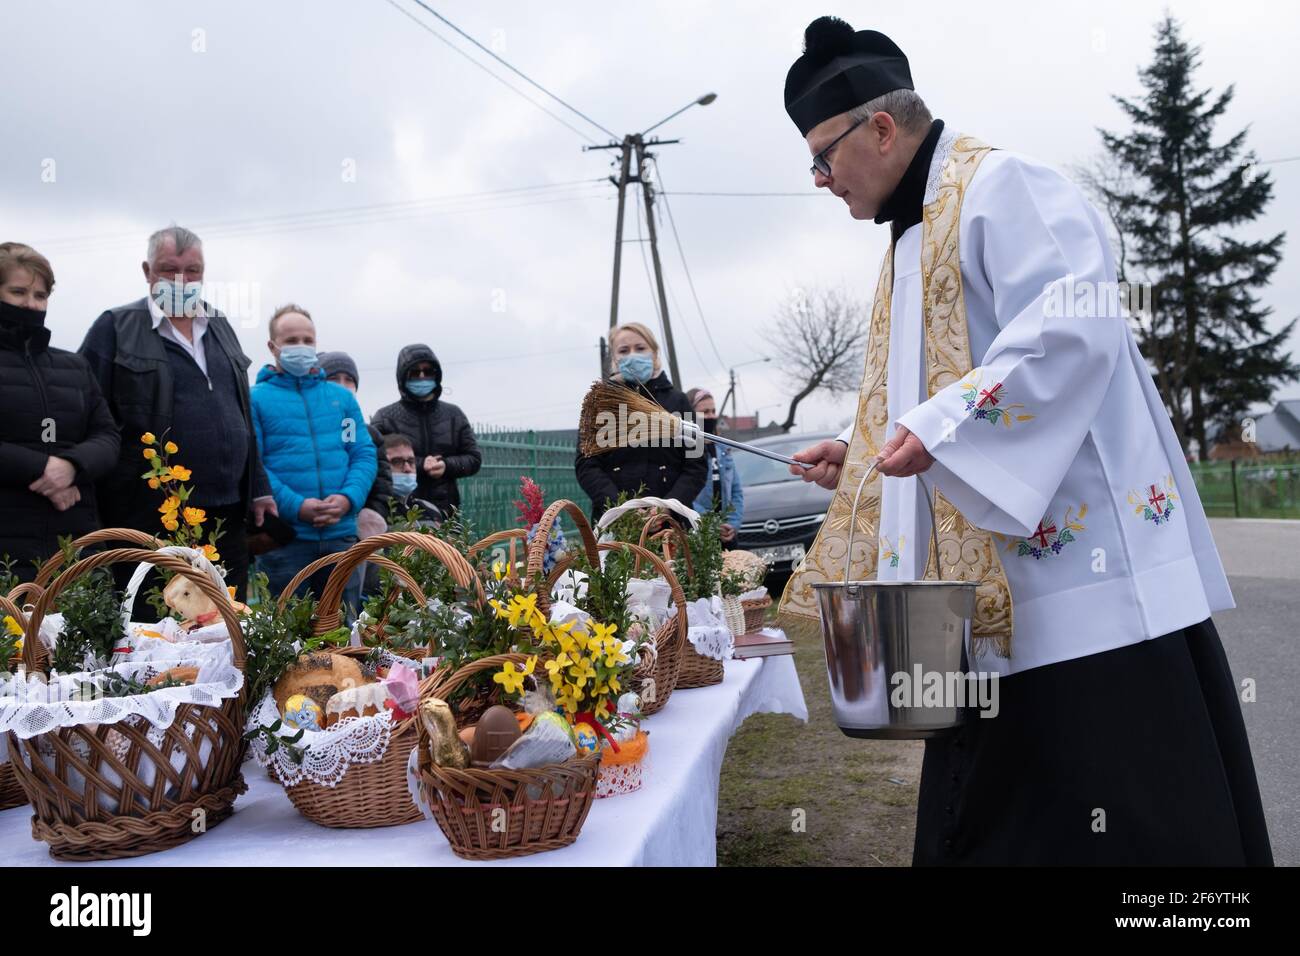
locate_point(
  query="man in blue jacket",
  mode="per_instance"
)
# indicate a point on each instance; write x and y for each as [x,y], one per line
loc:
[317,451]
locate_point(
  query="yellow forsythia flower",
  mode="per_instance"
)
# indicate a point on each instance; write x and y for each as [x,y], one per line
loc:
[11,626]
[194,516]
[171,504]
[210,551]
[170,448]
[180,474]
[155,483]
[150,454]
[148,438]
[171,524]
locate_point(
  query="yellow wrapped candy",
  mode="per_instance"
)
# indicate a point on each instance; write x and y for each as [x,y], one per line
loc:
[302,713]
[588,740]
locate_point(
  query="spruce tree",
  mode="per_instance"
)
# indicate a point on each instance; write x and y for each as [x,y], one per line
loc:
[1175,199]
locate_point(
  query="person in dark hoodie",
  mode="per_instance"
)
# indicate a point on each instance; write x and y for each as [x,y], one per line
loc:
[445,447]
[57,435]
[663,472]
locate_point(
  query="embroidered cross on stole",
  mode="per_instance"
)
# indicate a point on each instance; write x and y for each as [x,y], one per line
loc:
[968,553]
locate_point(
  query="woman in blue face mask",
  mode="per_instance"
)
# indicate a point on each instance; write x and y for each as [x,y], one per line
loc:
[663,468]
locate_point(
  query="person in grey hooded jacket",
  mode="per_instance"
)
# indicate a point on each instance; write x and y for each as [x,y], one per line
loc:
[445,447]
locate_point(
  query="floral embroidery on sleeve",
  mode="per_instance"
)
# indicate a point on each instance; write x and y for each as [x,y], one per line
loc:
[1156,503]
[1048,539]
[888,553]
[989,403]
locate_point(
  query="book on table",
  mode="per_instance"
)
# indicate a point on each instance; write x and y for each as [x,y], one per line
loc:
[766,642]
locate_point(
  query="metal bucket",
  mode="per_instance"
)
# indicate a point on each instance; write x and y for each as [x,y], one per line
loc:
[884,642]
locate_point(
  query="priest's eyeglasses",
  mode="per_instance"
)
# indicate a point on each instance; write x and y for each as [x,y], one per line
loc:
[821,161]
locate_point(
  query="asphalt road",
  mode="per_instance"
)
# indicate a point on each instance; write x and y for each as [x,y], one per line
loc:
[1262,638]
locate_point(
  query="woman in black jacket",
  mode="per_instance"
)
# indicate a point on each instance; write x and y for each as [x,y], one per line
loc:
[57,435]
[662,472]
[445,447]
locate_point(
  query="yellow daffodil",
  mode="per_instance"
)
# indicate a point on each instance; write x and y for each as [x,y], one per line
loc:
[148,439]
[180,474]
[195,516]
[170,448]
[150,453]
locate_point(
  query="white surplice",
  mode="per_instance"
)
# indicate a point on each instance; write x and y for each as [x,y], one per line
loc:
[1088,431]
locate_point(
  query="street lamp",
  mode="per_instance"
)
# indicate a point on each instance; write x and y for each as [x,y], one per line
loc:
[704,100]
[731,388]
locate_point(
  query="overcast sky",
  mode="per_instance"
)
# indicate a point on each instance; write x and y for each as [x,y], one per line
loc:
[256,122]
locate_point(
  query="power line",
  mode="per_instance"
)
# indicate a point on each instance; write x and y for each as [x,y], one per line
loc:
[555,116]
[398,205]
[401,215]
[517,72]
[738,194]
[687,269]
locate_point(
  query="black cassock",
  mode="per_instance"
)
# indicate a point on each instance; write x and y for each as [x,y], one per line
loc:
[1146,739]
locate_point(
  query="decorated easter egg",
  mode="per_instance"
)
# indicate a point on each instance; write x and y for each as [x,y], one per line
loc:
[302,713]
[588,741]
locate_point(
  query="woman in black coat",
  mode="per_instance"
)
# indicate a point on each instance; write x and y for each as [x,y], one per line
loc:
[57,435]
[662,472]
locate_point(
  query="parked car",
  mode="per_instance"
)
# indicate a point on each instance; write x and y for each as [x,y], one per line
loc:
[783,513]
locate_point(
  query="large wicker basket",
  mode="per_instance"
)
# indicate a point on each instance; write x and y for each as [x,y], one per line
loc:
[696,669]
[516,541]
[756,613]
[375,794]
[11,792]
[136,539]
[658,675]
[499,814]
[188,786]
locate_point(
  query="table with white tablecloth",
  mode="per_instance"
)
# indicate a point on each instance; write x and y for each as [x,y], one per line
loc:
[670,821]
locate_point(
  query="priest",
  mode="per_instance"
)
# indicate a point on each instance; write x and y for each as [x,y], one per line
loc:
[1000,366]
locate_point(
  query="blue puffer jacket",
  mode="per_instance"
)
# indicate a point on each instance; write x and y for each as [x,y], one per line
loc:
[314,443]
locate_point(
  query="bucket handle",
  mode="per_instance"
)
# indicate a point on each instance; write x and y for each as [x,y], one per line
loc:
[853,525]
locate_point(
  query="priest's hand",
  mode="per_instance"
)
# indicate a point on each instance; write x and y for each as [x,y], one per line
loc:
[826,457]
[903,455]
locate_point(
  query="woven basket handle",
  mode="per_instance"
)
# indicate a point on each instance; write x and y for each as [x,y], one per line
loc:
[324,561]
[516,537]
[10,607]
[34,649]
[670,530]
[329,608]
[639,553]
[537,549]
[464,673]
[23,590]
[131,536]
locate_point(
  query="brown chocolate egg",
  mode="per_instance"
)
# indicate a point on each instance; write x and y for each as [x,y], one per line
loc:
[495,732]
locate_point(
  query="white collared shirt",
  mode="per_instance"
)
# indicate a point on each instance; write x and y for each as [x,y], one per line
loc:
[163,326]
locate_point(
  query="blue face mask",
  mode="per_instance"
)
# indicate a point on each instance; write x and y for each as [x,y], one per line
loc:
[404,482]
[638,368]
[177,299]
[297,360]
[421,387]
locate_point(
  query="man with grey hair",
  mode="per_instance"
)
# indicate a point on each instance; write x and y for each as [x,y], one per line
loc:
[171,364]
[1008,435]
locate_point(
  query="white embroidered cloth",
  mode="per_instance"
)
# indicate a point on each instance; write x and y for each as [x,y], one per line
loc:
[707,628]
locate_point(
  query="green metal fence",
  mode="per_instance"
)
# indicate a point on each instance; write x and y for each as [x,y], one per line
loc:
[508,454]
[1267,488]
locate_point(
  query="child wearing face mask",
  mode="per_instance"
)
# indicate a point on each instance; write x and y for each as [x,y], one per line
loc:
[663,470]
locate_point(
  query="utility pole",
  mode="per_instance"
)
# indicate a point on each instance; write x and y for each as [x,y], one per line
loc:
[632,145]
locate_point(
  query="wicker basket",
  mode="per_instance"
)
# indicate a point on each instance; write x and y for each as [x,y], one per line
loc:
[136,539]
[544,807]
[11,793]
[659,671]
[374,794]
[696,670]
[144,819]
[756,613]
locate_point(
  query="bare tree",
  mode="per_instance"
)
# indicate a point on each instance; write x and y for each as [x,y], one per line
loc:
[818,337]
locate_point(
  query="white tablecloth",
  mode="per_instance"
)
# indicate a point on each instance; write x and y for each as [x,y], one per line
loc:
[670,821]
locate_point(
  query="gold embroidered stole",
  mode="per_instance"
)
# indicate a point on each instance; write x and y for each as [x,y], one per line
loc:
[968,553]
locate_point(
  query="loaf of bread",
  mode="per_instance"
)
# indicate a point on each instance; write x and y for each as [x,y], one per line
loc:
[319,675]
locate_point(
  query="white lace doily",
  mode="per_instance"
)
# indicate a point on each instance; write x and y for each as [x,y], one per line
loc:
[326,754]
[31,704]
[707,628]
